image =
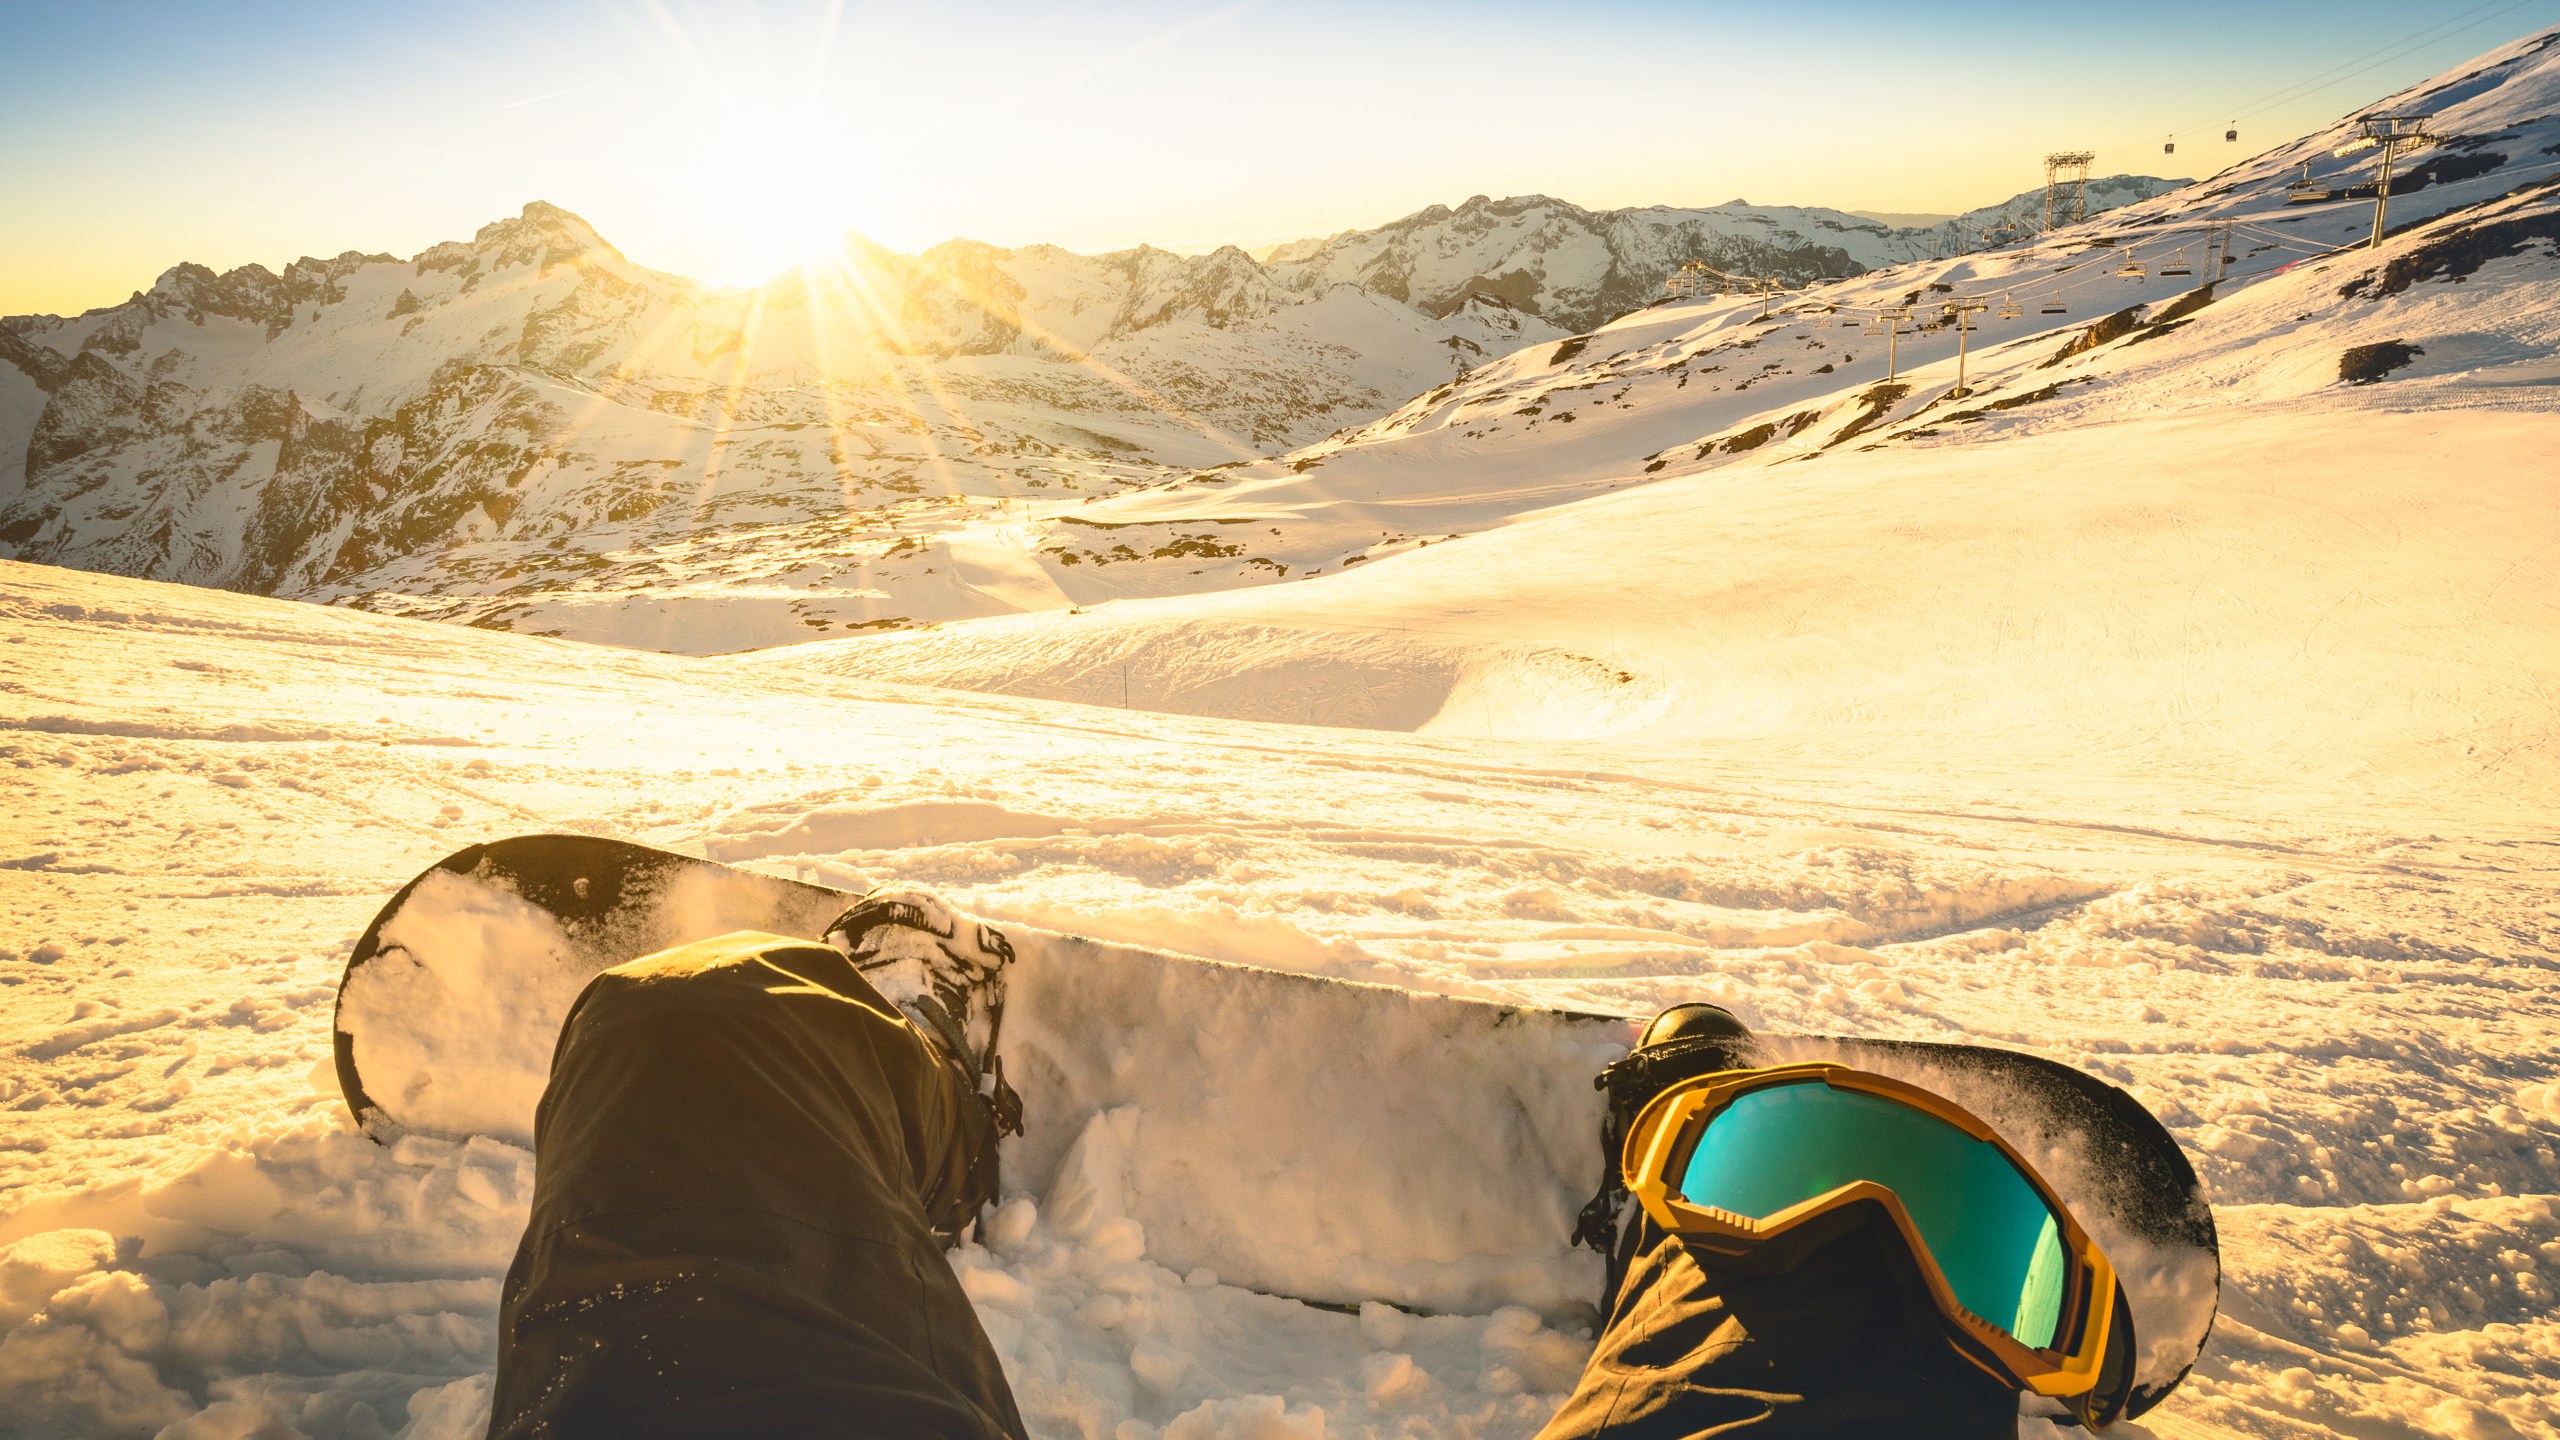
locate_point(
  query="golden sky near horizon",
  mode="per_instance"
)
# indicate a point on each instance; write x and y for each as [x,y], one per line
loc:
[724,142]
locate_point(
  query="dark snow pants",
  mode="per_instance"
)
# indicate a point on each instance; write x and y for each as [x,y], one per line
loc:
[1829,1348]
[741,1162]
[744,1155]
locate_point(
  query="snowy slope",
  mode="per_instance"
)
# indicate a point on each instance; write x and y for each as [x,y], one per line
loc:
[2064,605]
[2347,1021]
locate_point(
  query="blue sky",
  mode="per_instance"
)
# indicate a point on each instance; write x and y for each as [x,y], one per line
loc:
[718,140]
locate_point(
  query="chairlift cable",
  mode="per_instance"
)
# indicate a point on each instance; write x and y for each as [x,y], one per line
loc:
[2427,35]
[2259,231]
[2290,242]
[2444,29]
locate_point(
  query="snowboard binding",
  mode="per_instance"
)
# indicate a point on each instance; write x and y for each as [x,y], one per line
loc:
[946,972]
[1681,1043]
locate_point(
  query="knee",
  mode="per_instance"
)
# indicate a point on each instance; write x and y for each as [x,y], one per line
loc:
[618,998]
[686,979]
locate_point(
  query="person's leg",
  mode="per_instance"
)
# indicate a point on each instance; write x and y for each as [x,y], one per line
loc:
[1828,1348]
[1841,1342]
[742,1160]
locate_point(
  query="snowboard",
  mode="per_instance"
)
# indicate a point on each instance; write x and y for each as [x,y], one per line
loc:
[1326,1140]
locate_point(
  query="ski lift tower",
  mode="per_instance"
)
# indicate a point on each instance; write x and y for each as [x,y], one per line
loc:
[2067,172]
[1888,323]
[1691,281]
[1960,310]
[2394,136]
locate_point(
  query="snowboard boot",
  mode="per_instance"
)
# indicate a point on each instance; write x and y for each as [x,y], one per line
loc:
[1681,1043]
[946,972]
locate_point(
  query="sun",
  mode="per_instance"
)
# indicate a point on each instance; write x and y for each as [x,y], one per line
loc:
[785,198]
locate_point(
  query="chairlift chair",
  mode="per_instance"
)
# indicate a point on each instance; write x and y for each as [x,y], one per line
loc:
[2009,309]
[2054,306]
[2177,265]
[2305,191]
[2133,269]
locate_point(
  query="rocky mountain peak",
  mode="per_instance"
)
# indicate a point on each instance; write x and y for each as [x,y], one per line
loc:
[1478,211]
[187,282]
[250,292]
[543,234]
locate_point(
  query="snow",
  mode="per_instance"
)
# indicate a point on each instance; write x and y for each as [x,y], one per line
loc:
[2346,1021]
[2059,605]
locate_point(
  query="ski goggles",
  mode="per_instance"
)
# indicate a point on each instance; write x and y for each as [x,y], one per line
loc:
[1732,1161]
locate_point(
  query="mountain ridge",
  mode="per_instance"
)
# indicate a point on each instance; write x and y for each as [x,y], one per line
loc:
[517,407]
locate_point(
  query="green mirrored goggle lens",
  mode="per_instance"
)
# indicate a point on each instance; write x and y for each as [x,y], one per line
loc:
[1992,1235]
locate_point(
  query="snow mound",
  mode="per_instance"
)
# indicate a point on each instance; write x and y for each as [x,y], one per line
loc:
[1301,671]
[2035,608]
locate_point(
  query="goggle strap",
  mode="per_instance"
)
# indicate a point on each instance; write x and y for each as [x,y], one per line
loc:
[1632,1081]
[1639,1075]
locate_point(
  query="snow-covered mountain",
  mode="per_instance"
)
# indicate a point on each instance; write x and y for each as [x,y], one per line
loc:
[1582,268]
[299,432]
[529,411]
[2022,216]
[2222,294]
[1683,524]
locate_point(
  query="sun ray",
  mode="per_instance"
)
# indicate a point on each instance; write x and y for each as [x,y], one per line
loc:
[1154,400]
[825,285]
[897,371]
[823,53]
[867,323]
[602,405]
[681,39]
[742,364]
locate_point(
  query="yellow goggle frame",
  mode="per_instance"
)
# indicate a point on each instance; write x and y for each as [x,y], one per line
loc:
[1666,1131]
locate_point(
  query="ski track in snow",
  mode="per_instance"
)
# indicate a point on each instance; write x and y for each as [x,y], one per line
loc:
[2348,1028]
